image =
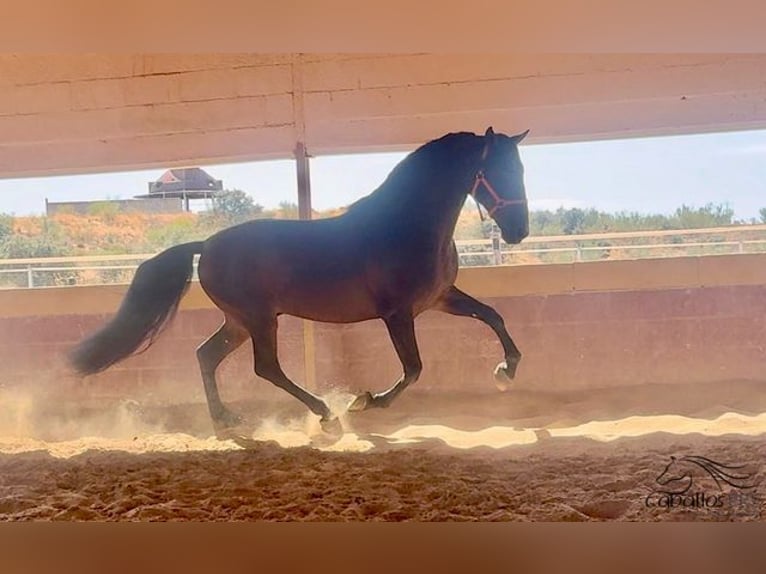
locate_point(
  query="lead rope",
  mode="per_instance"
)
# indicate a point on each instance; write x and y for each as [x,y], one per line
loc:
[472,193]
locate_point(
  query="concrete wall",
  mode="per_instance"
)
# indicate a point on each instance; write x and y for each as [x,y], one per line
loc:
[582,325]
[69,113]
[153,205]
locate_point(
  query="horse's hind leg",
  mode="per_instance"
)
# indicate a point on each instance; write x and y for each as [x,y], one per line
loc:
[224,341]
[455,302]
[264,335]
[401,328]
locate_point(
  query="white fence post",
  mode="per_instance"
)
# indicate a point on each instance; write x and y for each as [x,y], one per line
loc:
[495,238]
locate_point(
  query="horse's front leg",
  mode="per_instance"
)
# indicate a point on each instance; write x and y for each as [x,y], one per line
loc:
[455,302]
[401,328]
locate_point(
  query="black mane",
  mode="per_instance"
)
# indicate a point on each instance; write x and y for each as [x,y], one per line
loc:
[424,164]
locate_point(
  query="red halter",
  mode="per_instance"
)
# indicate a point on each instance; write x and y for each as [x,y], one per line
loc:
[500,202]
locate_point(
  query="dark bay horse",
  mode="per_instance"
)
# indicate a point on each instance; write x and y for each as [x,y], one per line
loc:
[390,256]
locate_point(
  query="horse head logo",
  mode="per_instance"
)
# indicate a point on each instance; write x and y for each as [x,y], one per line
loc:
[679,474]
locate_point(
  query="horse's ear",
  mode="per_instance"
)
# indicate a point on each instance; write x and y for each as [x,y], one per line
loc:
[517,138]
[489,135]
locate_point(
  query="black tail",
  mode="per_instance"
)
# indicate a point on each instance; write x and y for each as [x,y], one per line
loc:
[150,303]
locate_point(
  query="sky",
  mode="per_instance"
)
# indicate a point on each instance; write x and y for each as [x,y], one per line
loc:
[647,175]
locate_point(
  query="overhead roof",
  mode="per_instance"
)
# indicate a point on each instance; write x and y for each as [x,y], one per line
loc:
[99,112]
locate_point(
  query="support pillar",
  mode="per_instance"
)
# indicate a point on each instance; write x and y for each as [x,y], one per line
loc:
[304,212]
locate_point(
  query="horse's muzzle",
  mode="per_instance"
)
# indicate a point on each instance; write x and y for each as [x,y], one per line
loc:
[513,236]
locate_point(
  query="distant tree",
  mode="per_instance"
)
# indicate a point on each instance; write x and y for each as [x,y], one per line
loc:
[163,234]
[544,222]
[572,220]
[49,242]
[23,246]
[634,221]
[233,206]
[711,215]
[332,212]
[762,213]
[287,210]
[6,226]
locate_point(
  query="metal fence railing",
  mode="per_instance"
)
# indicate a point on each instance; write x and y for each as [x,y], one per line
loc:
[611,246]
[116,269]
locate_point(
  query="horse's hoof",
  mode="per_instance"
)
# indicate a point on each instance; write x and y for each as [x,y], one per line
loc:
[243,441]
[228,433]
[225,421]
[225,432]
[504,375]
[361,402]
[331,426]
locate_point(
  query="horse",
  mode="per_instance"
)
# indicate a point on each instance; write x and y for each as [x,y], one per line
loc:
[390,256]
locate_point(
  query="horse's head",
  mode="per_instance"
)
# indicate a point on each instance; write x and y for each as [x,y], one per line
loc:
[499,185]
[675,478]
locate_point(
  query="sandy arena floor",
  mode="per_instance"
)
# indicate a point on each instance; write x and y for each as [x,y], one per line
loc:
[516,456]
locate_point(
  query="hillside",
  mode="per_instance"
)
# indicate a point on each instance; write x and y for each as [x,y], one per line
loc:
[104,233]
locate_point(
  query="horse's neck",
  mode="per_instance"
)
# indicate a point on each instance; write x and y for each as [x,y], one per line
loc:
[426,209]
[445,213]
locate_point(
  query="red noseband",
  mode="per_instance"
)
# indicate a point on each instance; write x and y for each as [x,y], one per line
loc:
[500,202]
